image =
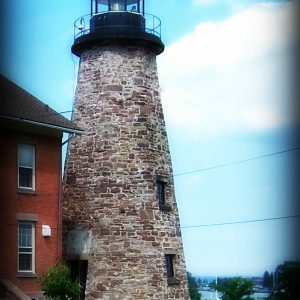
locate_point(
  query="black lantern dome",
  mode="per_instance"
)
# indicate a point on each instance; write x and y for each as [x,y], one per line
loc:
[117,22]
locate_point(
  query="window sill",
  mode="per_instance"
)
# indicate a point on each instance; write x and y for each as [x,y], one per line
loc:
[165,207]
[26,191]
[173,281]
[27,275]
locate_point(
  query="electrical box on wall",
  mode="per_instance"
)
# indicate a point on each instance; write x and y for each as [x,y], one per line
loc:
[46,230]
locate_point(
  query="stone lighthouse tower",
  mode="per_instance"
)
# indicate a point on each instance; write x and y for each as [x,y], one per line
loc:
[121,225]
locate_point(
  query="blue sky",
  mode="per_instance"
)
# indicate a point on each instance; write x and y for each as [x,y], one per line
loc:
[226,86]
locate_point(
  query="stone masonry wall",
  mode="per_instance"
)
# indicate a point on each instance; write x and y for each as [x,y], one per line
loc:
[110,178]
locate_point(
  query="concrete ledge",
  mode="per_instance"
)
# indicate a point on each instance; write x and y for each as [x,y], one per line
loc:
[13,291]
[173,281]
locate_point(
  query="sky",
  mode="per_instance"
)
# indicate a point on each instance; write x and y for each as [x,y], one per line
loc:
[228,88]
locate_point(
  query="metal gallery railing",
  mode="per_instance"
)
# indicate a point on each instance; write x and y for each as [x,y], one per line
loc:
[82,25]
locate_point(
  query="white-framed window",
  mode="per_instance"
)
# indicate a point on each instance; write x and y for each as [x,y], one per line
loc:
[26,166]
[26,246]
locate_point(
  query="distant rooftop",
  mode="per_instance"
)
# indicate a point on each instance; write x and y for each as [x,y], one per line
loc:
[17,104]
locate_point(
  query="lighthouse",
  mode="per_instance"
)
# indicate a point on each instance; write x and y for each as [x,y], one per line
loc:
[121,225]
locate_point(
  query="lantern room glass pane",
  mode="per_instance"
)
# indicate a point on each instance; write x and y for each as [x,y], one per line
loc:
[117,5]
[132,8]
[100,6]
[132,5]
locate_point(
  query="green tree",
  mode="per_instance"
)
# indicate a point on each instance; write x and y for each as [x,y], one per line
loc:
[236,288]
[193,287]
[199,281]
[57,283]
[287,282]
[268,280]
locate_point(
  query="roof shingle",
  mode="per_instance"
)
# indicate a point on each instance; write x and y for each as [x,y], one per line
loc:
[15,102]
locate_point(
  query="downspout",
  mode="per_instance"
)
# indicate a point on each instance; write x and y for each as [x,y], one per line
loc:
[59,219]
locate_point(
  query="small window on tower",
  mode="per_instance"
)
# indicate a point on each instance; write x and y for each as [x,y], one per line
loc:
[170,259]
[161,184]
[169,265]
[161,192]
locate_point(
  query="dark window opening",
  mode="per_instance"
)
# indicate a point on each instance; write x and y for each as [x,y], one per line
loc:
[79,272]
[161,192]
[170,258]
[161,184]
[170,265]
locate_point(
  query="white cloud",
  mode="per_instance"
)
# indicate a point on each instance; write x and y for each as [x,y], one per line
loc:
[232,75]
[203,2]
[232,4]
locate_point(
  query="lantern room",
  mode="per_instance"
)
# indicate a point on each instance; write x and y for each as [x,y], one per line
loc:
[100,6]
[117,15]
[117,22]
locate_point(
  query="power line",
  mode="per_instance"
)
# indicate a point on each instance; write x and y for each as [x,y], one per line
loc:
[237,162]
[240,222]
[202,225]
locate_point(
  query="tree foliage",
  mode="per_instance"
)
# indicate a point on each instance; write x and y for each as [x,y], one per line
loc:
[57,283]
[268,280]
[287,282]
[193,287]
[236,288]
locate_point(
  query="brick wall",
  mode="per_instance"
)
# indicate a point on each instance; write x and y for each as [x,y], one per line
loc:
[43,205]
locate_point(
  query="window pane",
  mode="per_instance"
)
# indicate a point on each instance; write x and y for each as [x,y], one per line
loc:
[117,5]
[25,235]
[26,156]
[25,177]
[25,249]
[132,7]
[28,235]
[102,8]
[25,262]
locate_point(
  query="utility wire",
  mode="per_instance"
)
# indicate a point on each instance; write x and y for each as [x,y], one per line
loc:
[240,222]
[202,225]
[237,162]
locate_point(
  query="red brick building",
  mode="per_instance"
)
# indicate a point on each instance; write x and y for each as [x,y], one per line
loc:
[30,199]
